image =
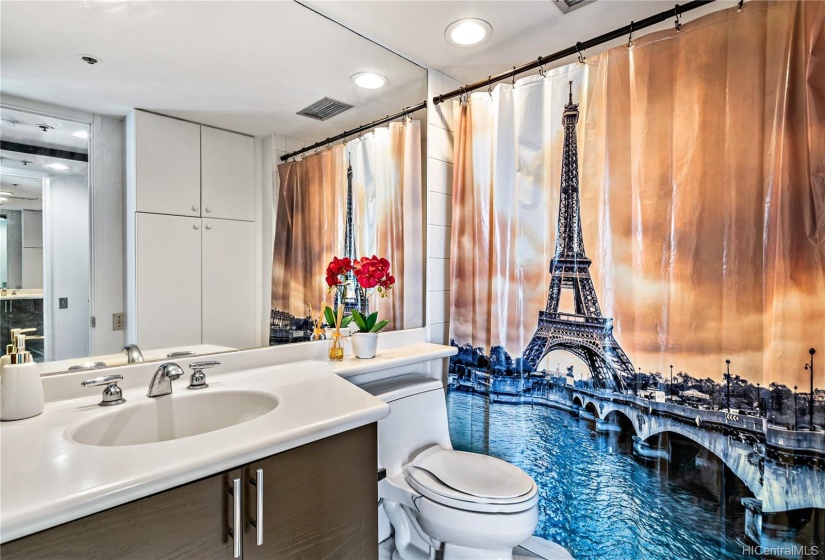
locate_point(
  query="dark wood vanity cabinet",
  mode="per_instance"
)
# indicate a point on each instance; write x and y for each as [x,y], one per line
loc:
[317,501]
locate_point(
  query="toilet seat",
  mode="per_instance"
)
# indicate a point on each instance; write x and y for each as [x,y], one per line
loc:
[470,481]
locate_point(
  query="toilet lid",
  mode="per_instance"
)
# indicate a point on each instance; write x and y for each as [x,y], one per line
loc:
[430,487]
[471,474]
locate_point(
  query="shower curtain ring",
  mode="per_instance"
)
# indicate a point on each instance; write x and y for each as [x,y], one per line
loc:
[741,3]
[541,68]
[678,23]
[581,56]
[514,76]
[630,37]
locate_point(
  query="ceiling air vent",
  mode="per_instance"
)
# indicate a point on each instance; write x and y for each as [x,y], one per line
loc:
[324,109]
[569,5]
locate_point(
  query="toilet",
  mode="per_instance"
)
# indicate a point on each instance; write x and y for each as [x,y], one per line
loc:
[438,500]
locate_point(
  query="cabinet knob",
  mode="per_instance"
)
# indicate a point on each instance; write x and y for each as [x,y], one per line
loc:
[208,208]
[194,208]
[195,226]
[208,226]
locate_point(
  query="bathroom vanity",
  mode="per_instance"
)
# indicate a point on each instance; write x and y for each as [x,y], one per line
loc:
[269,461]
[314,501]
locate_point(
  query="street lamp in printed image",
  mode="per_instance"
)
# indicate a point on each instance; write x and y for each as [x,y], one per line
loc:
[795,418]
[810,367]
[727,375]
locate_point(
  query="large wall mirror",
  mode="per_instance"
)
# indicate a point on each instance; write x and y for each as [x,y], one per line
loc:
[147,208]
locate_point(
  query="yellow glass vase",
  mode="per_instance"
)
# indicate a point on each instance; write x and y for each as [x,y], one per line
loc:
[336,348]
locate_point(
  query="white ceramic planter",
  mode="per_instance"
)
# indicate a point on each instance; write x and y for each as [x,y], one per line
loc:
[364,345]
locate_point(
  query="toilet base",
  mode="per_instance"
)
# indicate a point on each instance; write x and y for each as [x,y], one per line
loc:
[454,552]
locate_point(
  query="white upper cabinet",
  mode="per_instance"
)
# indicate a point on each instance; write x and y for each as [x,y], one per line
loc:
[228,283]
[227,175]
[167,165]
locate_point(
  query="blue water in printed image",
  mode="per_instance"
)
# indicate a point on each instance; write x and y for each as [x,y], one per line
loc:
[596,499]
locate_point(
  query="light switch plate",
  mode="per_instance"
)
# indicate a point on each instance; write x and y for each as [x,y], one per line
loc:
[117,321]
[63,303]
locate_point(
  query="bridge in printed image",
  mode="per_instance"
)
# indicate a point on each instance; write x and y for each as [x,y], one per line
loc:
[784,469]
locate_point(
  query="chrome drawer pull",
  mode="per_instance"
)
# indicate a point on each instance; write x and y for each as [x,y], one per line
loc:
[258,522]
[236,532]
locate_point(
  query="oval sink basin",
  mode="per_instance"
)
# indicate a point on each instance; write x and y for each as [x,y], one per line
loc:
[173,416]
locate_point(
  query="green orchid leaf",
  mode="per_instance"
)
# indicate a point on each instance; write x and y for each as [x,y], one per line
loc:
[371,320]
[346,320]
[379,325]
[330,317]
[360,321]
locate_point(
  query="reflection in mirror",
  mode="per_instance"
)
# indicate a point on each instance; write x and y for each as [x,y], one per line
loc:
[45,260]
[360,199]
[174,230]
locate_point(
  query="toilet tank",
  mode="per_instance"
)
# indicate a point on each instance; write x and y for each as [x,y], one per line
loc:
[417,420]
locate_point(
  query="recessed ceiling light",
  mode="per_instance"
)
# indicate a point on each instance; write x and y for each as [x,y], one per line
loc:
[2,199]
[81,134]
[58,166]
[5,192]
[369,80]
[466,32]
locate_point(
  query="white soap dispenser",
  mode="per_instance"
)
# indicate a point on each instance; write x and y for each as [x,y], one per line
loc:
[11,348]
[21,391]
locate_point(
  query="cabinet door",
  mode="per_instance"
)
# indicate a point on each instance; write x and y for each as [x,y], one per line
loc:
[229,283]
[319,501]
[167,165]
[191,521]
[168,280]
[227,175]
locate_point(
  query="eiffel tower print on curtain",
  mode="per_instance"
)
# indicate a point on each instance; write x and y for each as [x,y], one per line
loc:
[584,333]
[356,295]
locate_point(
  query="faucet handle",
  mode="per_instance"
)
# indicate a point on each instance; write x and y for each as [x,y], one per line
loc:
[198,379]
[112,394]
[197,366]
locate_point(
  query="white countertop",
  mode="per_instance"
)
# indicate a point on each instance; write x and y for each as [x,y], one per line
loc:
[392,358]
[22,294]
[46,479]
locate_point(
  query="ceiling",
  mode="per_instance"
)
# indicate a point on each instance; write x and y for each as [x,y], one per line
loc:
[250,66]
[522,30]
[27,192]
[243,66]
[21,173]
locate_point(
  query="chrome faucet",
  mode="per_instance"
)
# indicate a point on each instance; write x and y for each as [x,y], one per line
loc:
[133,353]
[161,383]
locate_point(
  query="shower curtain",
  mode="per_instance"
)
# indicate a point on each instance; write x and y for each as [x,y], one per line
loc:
[701,161]
[311,220]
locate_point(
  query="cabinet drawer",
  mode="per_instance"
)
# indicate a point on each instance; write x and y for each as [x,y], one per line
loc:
[228,283]
[227,175]
[168,280]
[187,522]
[167,165]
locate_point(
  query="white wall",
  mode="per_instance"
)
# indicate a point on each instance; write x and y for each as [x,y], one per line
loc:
[440,141]
[108,233]
[32,249]
[68,247]
[14,248]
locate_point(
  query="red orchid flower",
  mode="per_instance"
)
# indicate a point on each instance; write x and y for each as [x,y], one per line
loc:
[373,272]
[336,269]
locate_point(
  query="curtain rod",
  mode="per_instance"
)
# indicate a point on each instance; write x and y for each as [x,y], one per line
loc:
[578,48]
[347,133]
